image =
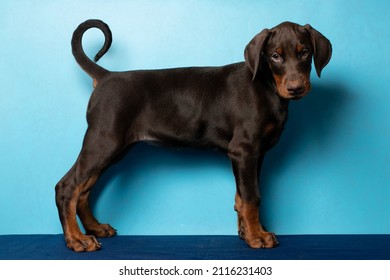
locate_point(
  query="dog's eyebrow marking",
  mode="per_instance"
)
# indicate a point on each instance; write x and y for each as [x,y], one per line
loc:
[299,48]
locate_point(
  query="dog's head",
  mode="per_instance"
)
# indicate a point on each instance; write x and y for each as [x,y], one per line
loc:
[287,50]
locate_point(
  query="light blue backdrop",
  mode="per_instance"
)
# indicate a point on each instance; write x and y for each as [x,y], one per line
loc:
[328,174]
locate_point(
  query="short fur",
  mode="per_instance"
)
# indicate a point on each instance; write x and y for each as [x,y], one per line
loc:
[240,109]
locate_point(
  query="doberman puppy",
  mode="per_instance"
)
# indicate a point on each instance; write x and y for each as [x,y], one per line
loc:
[240,109]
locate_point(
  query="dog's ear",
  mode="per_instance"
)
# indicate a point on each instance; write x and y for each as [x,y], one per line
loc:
[322,49]
[254,50]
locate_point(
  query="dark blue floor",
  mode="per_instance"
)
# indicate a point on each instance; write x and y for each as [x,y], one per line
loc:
[292,247]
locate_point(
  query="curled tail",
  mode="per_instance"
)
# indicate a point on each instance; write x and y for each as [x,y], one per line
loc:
[95,71]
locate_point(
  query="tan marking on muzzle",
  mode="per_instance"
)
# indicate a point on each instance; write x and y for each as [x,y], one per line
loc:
[281,86]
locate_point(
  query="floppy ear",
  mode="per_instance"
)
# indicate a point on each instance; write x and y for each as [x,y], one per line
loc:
[322,49]
[254,50]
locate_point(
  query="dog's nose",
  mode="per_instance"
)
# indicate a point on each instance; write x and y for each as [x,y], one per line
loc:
[295,87]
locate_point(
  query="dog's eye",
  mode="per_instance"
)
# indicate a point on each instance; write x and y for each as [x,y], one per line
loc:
[276,57]
[305,53]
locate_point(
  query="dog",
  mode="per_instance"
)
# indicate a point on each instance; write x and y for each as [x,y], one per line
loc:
[239,109]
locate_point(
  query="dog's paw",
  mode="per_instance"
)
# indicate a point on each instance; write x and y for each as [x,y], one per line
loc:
[83,243]
[102,231]
[262,240]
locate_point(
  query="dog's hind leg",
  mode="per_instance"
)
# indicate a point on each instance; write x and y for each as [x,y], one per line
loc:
[90,223]
[68,191]
[98,151]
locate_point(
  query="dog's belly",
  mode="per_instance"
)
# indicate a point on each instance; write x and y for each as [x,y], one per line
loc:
[198,135]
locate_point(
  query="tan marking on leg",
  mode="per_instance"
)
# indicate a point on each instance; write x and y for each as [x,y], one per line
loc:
[83,209]
[252,231]
[74,238]
[251,225]
[237,208]
[71,227]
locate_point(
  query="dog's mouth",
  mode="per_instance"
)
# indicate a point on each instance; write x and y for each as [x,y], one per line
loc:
[299,95]
[293,90]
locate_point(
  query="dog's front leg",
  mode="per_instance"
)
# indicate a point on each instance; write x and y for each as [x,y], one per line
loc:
[246,170]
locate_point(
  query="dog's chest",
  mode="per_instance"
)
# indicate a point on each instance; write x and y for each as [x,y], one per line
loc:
[273,126]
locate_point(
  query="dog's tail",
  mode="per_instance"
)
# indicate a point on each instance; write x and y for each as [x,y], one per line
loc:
[95,71]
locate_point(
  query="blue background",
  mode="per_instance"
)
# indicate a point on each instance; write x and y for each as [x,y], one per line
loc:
[328,174]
